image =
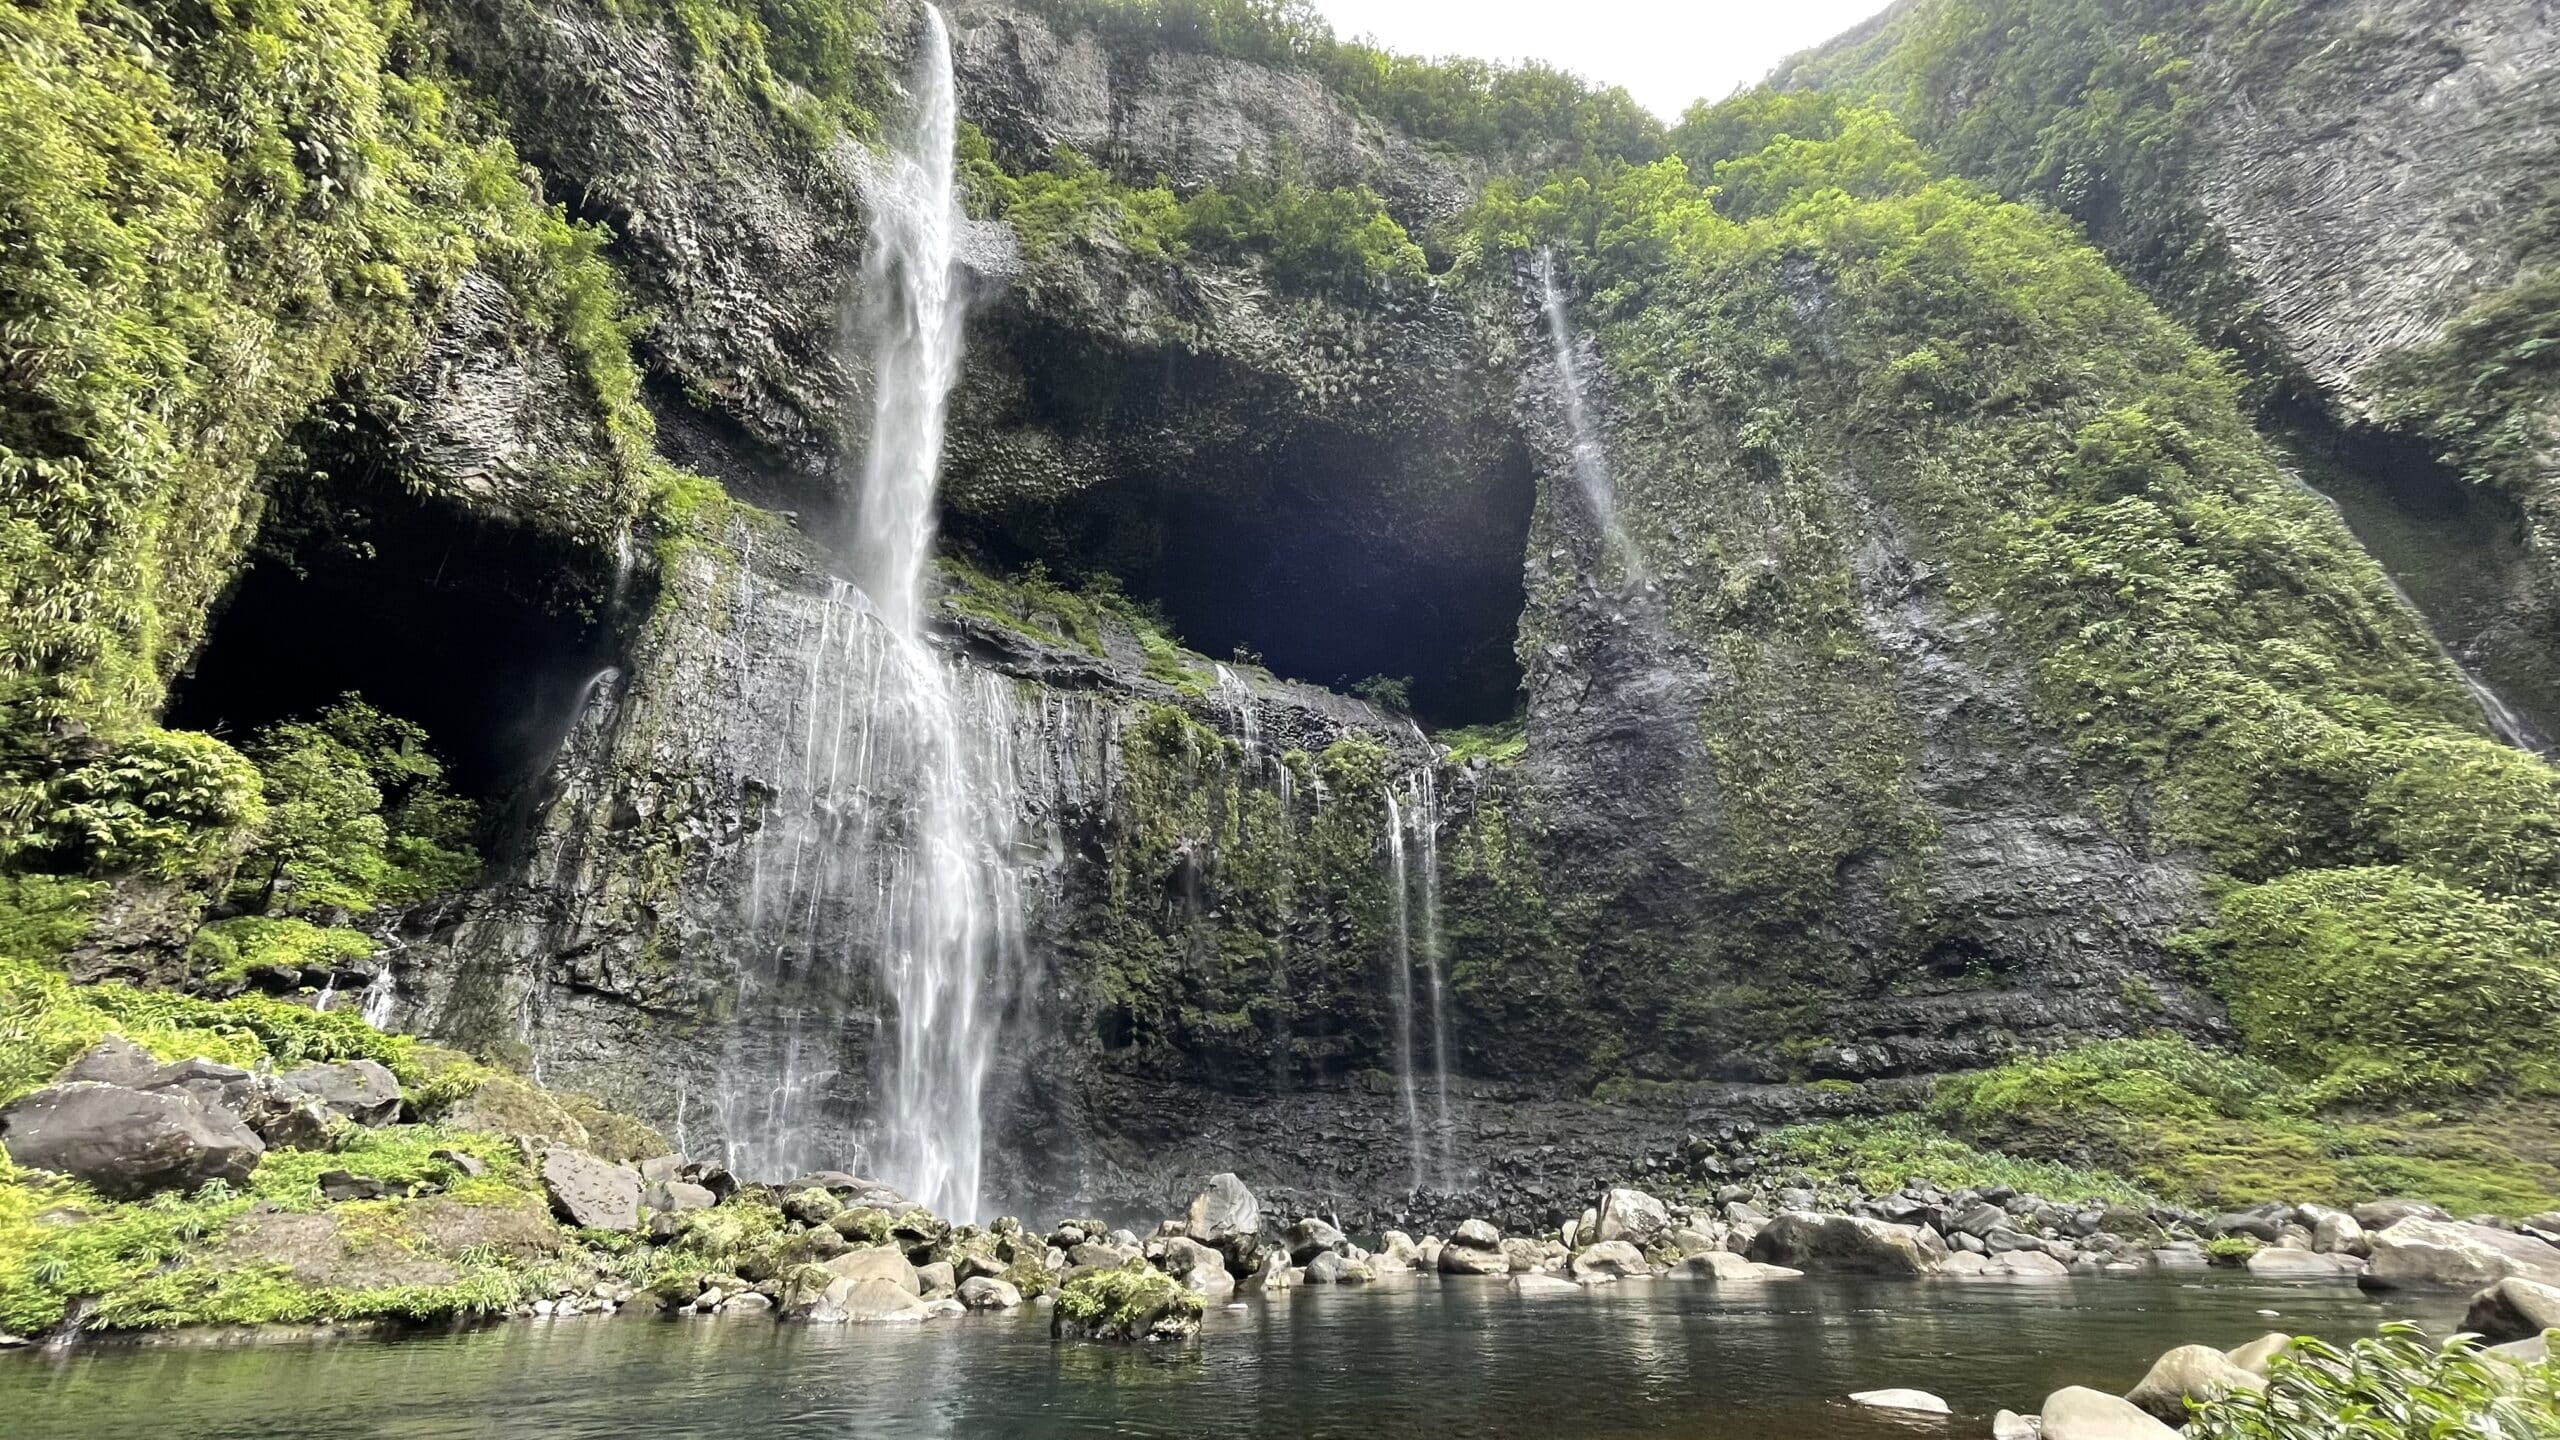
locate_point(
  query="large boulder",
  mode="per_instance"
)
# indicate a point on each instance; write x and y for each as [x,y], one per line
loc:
[1632,1216]
[1476,1235]
[1223,1208]
[2383,1214]
[1802,1240]
[2338,1233]
[2447,1255]
[2513,1310]
[1613,1258]
[2190,1372]
[589,1193]
[127,1144]
[114,1060]
[1457,1259]
[1309,1236]
[2076,1413]
[2258,1357]
[981,1292]
[1201,1269]
[884,1263]
[2274,1264]
[358,1090]
[867,1302]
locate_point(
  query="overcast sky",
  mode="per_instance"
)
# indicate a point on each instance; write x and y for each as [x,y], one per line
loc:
[1666,52]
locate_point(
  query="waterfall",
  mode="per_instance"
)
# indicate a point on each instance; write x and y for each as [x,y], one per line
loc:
[379,995]
[885,888]
[1238,693]
[1590,458]
[1425,789]
[1402,957]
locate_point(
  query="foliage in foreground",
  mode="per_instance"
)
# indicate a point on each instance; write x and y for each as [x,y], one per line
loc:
[2396,1386]
[1883,1154]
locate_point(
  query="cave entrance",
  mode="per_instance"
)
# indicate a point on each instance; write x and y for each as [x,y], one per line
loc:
[485,631]
[1323,558]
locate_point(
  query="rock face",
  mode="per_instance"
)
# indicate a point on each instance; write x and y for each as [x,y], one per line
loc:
[127,1144]
[1847,1243]
[2447,1255]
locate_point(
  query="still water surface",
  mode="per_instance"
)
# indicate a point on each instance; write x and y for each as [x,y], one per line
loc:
[1408,1360]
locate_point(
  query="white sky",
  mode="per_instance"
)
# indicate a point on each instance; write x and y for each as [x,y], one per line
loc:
[1666,52]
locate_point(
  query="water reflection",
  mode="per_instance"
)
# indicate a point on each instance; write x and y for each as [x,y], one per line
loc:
[1408,1359]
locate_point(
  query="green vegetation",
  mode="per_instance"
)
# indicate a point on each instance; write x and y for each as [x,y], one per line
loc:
[1885,1154]
[236,947]
[357,812]
[2399,1385]
[1132,1304]
[1333,241]
[2203,1128]
[1501,744]
[816,64]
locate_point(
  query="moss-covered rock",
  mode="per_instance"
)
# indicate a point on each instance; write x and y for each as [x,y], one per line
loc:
[1131,1306]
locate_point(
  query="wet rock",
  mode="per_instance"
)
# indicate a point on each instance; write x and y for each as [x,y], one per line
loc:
[2513,1309]
[935,1280]
[2417,1254]
[2190,1372]
[1310,1236]
[2077,1413]
[1200,1269]
[884,1263]
[359,1090]
[868,1302]
[127,1144]
[1223,1207]
[1476,1235]
[1543,1285]
[1919,1402]
[2010,1425]
[589,1193]
[1632,1216]
[1324,1268]
[2259,1355]
[2027,1264]
[1457,1259]
[2301,1265]
[2338,1233]
[1805,1241]
[1526,1256]
[1614,1258]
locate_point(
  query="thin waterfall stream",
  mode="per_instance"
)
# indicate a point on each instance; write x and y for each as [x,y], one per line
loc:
[1590,458]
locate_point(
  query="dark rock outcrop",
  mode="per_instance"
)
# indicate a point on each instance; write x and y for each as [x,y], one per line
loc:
[127,1144]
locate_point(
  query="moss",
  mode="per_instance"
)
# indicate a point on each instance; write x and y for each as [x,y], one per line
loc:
[1129,1305]
[2230,1250]
[1502,744]
[237,947]
[1885,1154]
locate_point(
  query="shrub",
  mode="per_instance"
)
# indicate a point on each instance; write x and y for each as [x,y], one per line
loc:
[2395,1386]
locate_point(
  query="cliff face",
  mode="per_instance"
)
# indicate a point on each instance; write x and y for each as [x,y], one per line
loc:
[1945,655]
[2355,197]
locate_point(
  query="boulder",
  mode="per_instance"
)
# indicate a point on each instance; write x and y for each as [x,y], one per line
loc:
[358,1090]
[1201,1269]
[589,1193]
[2263,1228]
[290,1122]
[2027,1264]
[1526,1255]
[114,1060]
[1614,1258]
[1544,1285]
[980,1292]
[1276,1272]
[2010,1425]
[675,1197]
[1805,1241]
[1918,1402]
[2533,1351]
[2339,1233]
[2383,1214]
[2259,1355]
[2419,1254]
[1309,1236]
[1965,1262]
[1632,1216]
[811,1205]
[935,1280]
[1475,1235]
[2076,1413]
[127,1144]
[1223,1208]
[2302,1265]
[1456,1259]
[868,1302]
[1324,1268]
[2190,1372]
[1979,1220]
[885,1263]
[2513,1310]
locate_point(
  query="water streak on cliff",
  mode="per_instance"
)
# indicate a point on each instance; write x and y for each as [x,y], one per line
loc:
[1424,793]
[1590,457]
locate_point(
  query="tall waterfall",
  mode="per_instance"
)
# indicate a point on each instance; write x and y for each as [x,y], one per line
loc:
[1413,875]
[1590,459]
[888,853]
[1425,792]
[1399,881]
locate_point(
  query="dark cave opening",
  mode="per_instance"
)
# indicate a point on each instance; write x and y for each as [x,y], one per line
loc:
[484,631]
[1318,559]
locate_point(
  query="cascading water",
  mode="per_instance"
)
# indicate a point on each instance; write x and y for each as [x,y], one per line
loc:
[888,851]
[1400,890]
[1590,459]
[1413,877]
[1425,792]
